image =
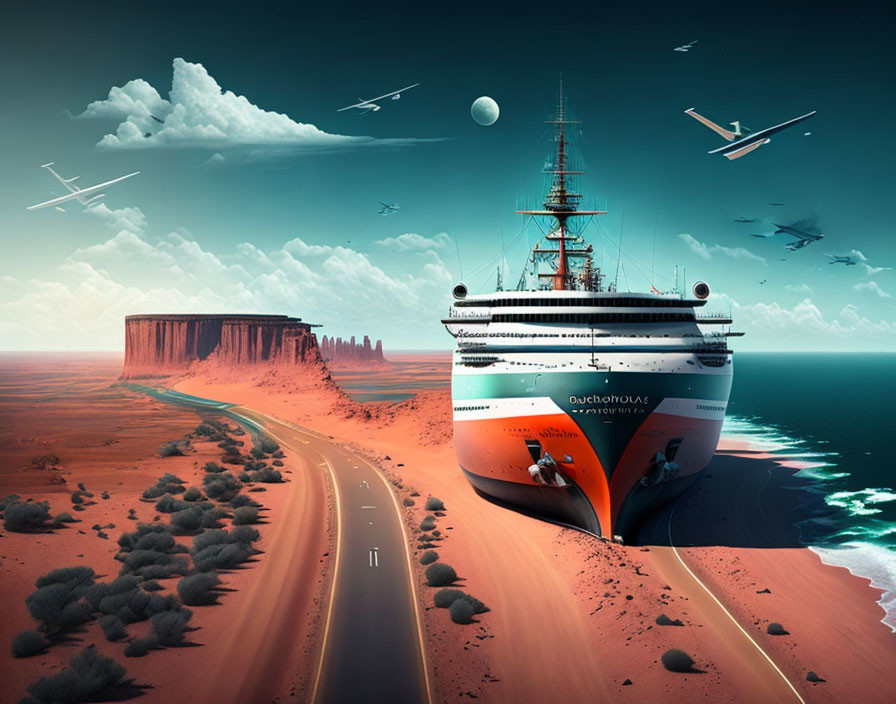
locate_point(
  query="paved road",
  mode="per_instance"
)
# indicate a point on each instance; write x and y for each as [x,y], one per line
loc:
[372,650]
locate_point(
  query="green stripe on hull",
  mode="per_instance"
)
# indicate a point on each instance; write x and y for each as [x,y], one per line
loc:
[609,407]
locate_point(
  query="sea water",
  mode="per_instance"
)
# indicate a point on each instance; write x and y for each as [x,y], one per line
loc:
[830,414]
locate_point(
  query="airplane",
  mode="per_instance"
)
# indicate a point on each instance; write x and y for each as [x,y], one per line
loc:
[803,238]
[744,220]
[763,281]
[742,140]
[837,259]
[685,47]
[88,197]
[371,106]
[776,204]
[388,208]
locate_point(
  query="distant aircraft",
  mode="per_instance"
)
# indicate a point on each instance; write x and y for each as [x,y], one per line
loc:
[776,204]
[685,47]
[744,220]
[849,260]
[88,197]
[763,281]
[742,140]
[803,238]
[388,208]
[370,105]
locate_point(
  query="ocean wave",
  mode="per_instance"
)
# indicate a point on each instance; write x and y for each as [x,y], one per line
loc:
[857,502]
[871,562]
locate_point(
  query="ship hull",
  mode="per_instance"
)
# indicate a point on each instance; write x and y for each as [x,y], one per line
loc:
[621,444]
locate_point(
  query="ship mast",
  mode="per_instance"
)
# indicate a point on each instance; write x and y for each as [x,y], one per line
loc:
[562,204]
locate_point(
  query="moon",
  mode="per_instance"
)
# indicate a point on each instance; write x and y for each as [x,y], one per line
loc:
[485,111]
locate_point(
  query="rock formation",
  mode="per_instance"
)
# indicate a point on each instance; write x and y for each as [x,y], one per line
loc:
[157,345]
[338,352]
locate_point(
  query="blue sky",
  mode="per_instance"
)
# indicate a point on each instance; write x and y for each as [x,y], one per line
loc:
[255,195]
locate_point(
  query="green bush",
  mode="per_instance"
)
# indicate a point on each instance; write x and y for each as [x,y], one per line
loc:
[88,675]
[27,644]
[245,515]
[429,557]
[434,504]
[461,611]
[440,574]
[676,660]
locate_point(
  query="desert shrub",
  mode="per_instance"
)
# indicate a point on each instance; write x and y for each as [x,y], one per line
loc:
[663,620]
[97,592]
[776,629]
[245,515]
[186,522]
[151,586]
[210,429]
[161,541]
[257,453]
[213,468]
[266,476]
[408,502]
[676,660]
[440,574]
[429,557]
[168,504]
[244,477]
[434,504]
[166,484]
[269,445]
[28,643]
[277,463]
[113,627]
[461,611]
[243,534]
[104,495]
[813,677]
[63,518]
[198,589]
[427,546]
[169,626]
[222,487]
[7,500]
[139,647]
[171,449]
[76,497]
[20,517]
[131,541]
[445,597]
[242,500]
[192,494]
[428,523]
[89,673]
[75,578]
[207,538]
[58,607]
[221,557]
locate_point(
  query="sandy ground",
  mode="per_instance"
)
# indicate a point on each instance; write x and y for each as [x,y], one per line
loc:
[108,439]
[562,626]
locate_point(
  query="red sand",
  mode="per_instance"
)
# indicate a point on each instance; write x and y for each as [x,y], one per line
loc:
[561,627]
[252,648]
[559,630]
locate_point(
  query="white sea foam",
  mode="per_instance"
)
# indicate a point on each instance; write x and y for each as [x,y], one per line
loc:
[857,502]
[871,562]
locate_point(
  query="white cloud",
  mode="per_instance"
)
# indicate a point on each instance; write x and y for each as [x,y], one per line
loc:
[412,242]
[82,304]
[872,287]
[200,114]
[866,264]
[788,327]
[705,252]
[798,288]
[131,219]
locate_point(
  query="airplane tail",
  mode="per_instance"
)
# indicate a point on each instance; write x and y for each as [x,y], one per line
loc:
[727,134]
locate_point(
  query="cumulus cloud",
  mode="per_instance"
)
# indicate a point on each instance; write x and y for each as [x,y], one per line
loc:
[798,288]
[412,242]
[869,269]
[705,252]
[873,288]
[802,321]
[82,304]
[128,218]
[200,114]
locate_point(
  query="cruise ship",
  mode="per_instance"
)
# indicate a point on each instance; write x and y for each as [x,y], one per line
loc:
[573,400]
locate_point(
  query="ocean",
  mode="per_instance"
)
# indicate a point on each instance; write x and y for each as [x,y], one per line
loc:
[830,413]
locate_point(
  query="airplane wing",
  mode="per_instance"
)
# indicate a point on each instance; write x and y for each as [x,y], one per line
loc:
[65,182]
[80,193]
[356,105]
[743,151]
[760,136]
[727,134]
[394,92]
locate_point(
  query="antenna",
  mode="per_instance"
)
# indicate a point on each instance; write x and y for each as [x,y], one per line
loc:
[619,254]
